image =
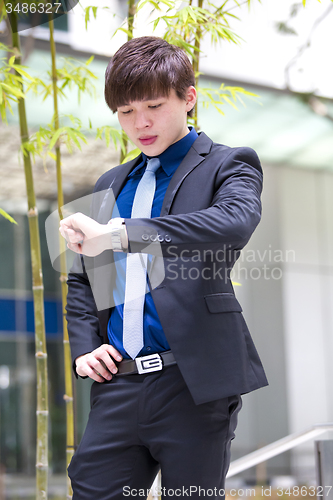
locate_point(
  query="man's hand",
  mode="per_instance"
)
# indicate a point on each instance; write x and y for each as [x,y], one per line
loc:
[98,364]
[85,235]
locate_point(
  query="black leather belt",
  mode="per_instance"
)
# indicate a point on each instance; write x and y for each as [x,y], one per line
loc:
[146,364]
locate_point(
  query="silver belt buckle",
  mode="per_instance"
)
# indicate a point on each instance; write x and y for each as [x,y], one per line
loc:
[150,363]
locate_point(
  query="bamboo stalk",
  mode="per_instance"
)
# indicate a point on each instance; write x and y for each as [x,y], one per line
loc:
[68,397]
[42,413]
[130,18]
[195,64]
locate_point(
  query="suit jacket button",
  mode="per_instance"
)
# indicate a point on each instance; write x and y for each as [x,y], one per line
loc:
[160,238]
[153,237]
[145,237]
[167,238]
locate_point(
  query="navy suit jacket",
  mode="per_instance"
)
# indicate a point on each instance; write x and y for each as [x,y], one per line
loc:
[210,209]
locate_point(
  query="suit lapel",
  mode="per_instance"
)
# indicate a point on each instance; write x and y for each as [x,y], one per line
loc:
[114,188]
[104,215]
[121,177]
[194,157]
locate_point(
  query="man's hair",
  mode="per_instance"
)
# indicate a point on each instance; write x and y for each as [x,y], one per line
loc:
[147,67]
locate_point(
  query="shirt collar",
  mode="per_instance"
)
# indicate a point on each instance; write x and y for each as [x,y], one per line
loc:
[173,155]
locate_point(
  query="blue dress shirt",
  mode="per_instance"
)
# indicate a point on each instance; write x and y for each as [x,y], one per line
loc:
[153,335]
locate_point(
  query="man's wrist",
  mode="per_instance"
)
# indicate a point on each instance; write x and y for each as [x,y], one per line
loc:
[119,238]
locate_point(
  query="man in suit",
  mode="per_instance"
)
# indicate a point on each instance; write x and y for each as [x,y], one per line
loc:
[172,401]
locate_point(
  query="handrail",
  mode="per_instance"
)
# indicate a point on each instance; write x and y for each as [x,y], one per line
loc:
[279,446]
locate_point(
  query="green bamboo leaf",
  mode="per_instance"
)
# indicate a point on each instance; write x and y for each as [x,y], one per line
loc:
[19,69]
[229,101]
[232,15]
[72,135]
[7,216]
[52,155]
[5,48]
[118,138]
[87,16]
[3,113]
[219,110]
[156,5]
[13,90]
[156,22]
[55,137]
[90,60]
[4,107]
[131,155]
[111,133]
[128,32]
[74,119]
[107,136]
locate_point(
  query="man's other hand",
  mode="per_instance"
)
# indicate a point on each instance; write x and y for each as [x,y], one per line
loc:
[98,364]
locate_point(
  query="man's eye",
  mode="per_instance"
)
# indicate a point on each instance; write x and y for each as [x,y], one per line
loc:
[126,112]
[155,106]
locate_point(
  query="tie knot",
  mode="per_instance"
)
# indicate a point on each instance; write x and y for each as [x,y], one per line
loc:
[153,164]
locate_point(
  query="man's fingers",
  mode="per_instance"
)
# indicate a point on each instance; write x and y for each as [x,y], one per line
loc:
[99,365]
[102,363]
[94,369]
[112,351]
[84,369]
[108,362]
[71,235]
[75,247]
[102,360]
[93,374]
[75,236]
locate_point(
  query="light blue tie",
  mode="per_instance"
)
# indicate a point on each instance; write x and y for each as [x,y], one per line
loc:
[136,266]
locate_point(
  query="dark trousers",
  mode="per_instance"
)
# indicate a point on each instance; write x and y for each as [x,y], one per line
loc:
[139,424]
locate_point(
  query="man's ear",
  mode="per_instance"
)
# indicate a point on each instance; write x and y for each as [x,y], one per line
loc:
[191,98]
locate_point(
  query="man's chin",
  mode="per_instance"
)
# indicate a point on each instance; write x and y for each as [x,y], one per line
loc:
[153,150]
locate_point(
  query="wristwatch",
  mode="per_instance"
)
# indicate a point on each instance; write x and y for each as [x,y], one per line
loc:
[119,240]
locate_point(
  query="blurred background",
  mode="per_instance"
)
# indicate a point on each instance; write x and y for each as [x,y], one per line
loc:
[285,272]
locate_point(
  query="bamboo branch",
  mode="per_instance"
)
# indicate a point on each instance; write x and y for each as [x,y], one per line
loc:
[42,413]
[195,64]
[130,18]
[68,397]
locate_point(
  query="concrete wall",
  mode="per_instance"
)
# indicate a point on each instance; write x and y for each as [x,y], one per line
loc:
[286,273]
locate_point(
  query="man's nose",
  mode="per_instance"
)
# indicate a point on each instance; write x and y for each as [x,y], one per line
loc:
[142,120]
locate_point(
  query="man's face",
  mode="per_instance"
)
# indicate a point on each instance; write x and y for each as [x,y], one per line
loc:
[155,124]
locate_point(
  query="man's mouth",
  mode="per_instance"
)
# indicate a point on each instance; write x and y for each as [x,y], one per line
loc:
[147,140]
